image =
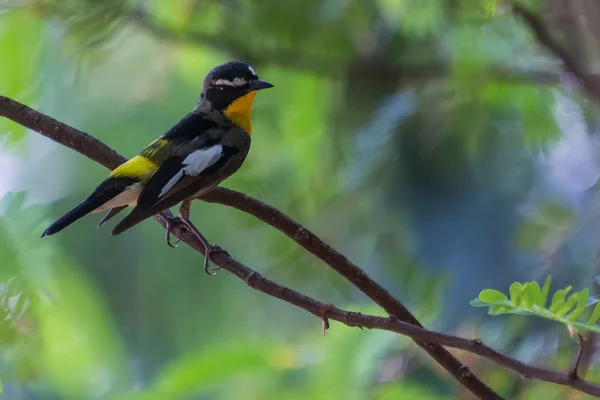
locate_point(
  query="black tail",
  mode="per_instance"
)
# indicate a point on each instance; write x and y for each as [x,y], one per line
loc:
[103,193]
[133,218]
[81,210]
[111,213]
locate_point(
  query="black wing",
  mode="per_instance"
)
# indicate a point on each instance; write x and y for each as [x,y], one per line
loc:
[181,151]
[151,192]
[205,180]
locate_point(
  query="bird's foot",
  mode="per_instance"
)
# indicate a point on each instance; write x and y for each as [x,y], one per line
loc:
[208,250]
[172,222]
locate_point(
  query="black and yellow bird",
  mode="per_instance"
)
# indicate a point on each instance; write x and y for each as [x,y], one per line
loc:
[205,147]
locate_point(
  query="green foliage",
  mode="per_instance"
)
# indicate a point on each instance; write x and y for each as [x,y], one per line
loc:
[407,391]
[20,34]
[60,322]
[89,22]
[374,101]
[529,299]
[211,368]
[420,19]
[548,223]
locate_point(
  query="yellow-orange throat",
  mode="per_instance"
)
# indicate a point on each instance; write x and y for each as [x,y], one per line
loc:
[240,111]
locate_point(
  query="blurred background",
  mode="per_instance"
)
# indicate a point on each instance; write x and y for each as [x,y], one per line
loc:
[433,142]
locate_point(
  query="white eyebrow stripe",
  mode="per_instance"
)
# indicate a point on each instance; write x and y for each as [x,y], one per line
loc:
[236,82]
[252,71]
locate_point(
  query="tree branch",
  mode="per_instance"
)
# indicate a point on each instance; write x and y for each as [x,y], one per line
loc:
[590,82]
[99,152]
[400,321]
[354,319]
[574,371]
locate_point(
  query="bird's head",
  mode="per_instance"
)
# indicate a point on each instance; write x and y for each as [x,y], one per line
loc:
[230,88]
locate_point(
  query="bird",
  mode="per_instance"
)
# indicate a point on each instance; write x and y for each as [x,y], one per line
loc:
[204,148]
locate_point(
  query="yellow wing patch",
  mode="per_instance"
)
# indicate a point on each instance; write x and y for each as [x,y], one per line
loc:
[138,167]
[240,112]
[154,148]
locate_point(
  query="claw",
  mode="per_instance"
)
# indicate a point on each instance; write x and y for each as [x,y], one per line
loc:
[171,222]
[212,248]
[168,240]
[206,266]
[184,217]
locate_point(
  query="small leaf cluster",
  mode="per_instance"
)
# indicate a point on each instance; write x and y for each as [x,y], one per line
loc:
[531,299]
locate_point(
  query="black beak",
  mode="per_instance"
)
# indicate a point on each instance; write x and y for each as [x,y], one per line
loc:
[259,84]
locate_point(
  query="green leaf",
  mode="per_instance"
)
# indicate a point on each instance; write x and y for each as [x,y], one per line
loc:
[501,309]
[581,325]
[478,303]
[559,298]
[575,314]
[529,299]
[595,315]
[515,293]
[546,290]
[571,301]
[532,294]
[581,303]
[491,296]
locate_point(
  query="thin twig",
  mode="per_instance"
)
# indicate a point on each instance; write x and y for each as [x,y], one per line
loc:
[590,82]
[574,371]
[99,152]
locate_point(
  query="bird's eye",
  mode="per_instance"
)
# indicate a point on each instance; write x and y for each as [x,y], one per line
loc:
[225,88]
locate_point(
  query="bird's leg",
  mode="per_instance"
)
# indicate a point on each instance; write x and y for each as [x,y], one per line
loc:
[184,215]
[171,223]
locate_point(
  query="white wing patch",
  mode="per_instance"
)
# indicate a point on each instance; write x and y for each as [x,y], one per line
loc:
[193,165]
[172,182]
